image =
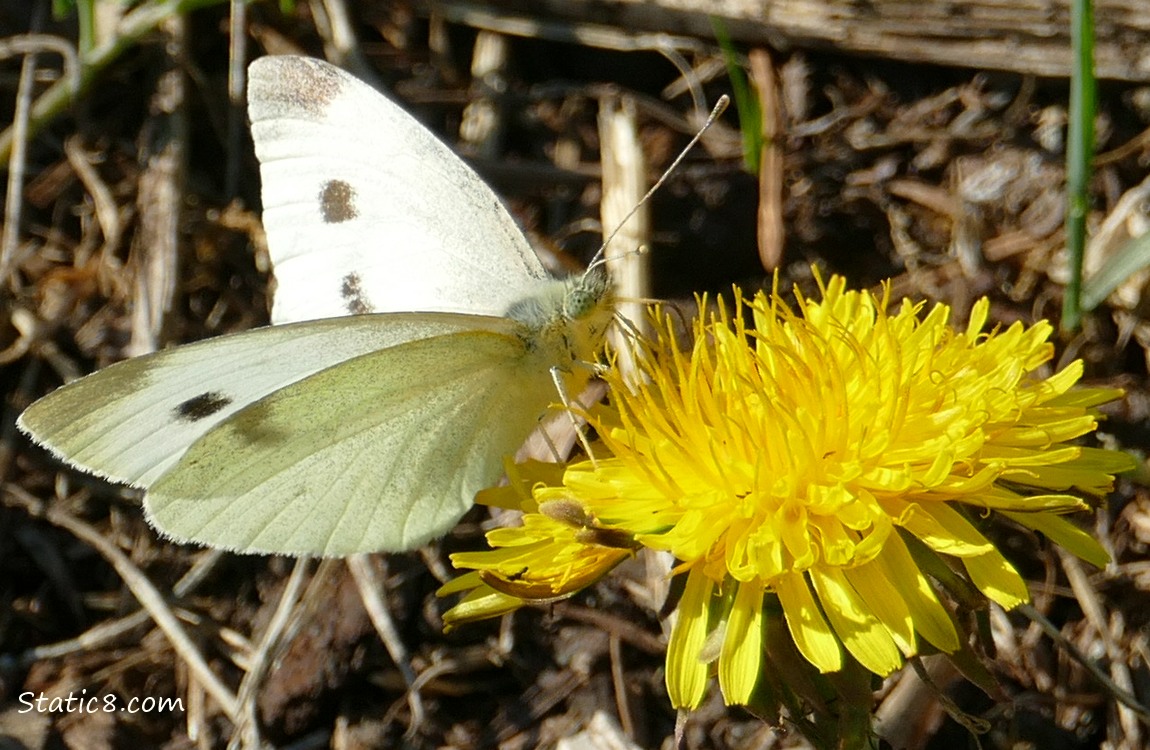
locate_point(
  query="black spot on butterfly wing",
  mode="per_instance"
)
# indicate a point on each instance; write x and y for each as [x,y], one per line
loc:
[201,406]
[337,202]
[353,295]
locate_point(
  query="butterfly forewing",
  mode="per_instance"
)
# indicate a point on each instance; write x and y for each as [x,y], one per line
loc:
[367,211]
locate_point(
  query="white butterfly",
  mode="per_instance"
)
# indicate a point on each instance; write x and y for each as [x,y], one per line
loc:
[417,343]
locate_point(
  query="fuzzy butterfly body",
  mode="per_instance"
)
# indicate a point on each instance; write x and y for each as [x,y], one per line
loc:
[418,340]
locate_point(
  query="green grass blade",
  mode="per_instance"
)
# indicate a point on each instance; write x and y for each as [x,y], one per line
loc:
[1131,258]
[1079,152]
[746,99]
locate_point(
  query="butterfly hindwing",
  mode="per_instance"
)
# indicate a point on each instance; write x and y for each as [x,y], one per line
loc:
[383,452]
[366,210]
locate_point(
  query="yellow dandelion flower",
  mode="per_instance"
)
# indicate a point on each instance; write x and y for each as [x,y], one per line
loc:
[800,455]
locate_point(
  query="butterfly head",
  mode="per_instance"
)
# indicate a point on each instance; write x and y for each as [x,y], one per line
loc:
[588,294]
[569,318]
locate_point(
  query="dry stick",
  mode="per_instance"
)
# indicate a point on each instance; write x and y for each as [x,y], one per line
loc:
[624,210]
[237,84]
[689,77]
[701,72]
[585,34]
[29,45]
[247,730]
[1135,145]
[14,202]
[104,205]
[340,42]
[538,700]
[482,126]
[111,218]
[619,683]
[770,224]
[912,706]
[196,718]
[160,199]
[155,604]
[370,586]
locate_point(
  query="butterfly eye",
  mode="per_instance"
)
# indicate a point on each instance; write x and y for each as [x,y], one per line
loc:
[586,294]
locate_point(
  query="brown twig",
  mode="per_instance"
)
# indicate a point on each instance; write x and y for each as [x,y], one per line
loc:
[772,233]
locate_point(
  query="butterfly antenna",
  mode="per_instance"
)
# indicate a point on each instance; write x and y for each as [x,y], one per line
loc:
[720,107]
